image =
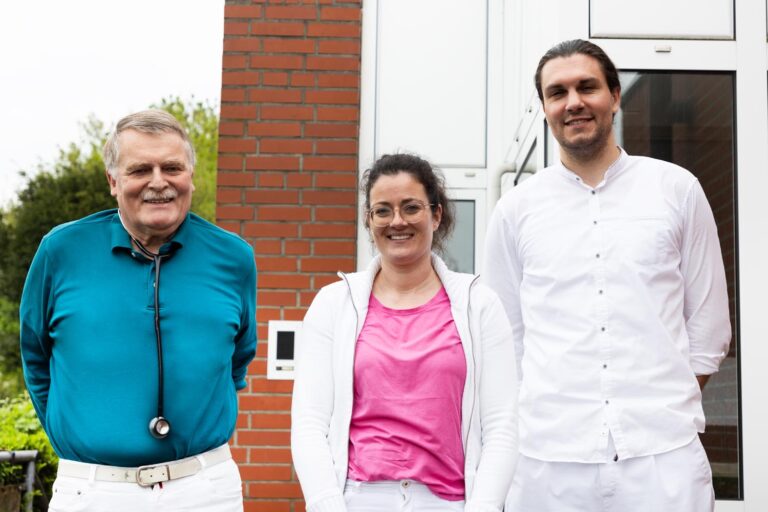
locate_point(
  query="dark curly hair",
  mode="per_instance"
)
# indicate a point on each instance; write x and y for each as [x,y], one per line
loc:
[430,178]
[582,47]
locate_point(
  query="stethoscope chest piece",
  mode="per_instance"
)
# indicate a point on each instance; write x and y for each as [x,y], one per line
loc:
[159,427]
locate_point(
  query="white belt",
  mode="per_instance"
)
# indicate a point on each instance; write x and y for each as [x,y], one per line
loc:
[145,475]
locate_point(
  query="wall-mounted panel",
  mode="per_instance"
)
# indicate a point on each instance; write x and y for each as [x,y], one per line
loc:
[431,81]
[662,19]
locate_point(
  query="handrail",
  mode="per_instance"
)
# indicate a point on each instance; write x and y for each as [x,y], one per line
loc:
[27,457]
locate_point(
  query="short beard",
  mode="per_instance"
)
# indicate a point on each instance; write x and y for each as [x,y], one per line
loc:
[587,150]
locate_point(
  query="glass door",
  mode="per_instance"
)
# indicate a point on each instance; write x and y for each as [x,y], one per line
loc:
[688,118]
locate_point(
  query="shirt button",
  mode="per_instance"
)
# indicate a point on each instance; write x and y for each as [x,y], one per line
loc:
[597,255]
[593,192]
[607,402]
[600,292]
[406,483]
[605,366]
[602,329]
[594,222]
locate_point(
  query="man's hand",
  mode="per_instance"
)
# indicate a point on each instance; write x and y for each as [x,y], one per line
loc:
[702,380]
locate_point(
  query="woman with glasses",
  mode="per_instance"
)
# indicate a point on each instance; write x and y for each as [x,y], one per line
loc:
[406,389]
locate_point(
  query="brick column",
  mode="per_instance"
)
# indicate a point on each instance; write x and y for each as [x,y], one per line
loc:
[287,183]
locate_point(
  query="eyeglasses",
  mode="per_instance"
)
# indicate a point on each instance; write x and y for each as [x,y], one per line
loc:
[382,215]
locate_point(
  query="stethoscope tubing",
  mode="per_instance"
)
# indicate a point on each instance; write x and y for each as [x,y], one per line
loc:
[159,426]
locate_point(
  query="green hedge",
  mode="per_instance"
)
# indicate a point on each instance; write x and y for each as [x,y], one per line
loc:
[21,430]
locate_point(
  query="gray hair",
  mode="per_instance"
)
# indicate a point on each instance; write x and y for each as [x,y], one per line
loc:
[147,121]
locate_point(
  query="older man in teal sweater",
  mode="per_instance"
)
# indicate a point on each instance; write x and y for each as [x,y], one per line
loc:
[137,327]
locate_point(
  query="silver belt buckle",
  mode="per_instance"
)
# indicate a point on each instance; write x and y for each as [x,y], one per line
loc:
[150,475]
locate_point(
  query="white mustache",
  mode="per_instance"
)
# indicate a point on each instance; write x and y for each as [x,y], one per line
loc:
[165,196]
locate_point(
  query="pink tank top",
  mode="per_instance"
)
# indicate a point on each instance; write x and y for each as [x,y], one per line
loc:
[409,378]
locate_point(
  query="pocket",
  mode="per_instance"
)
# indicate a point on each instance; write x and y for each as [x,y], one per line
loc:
[705,468]
[643,241]
[224,479]
[68,495]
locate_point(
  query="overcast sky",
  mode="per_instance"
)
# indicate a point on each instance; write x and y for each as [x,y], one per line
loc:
[63,60]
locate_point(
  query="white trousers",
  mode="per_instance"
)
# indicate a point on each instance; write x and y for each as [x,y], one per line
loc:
[675,481]
[215,488]
[395,496]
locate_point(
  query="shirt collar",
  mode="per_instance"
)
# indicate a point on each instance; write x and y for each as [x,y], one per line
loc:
[122,240]
[616,168]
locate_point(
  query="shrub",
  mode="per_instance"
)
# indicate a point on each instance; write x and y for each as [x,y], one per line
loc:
[21,430]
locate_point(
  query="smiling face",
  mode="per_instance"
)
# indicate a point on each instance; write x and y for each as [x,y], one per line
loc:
[579,106]
[152,185]
[401,243]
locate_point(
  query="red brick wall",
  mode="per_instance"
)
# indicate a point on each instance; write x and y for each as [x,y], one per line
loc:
[287,183]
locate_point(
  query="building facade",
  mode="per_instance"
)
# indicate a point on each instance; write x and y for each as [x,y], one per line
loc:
[313,92]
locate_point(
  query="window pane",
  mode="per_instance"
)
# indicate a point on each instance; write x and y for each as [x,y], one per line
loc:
[459,252]
[688,119]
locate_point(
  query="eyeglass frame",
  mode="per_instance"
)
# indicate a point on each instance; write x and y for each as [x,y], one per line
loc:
[425,206]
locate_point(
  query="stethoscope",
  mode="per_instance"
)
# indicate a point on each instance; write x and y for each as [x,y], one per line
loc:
[159,426]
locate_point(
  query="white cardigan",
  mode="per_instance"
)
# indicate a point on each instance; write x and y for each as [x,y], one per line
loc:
[323,389]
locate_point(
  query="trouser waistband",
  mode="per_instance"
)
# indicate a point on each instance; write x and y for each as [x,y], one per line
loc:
[145,475]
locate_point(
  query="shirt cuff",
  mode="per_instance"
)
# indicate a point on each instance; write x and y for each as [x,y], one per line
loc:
[703,365]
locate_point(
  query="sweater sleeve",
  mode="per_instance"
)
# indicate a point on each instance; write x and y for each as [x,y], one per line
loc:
[498,409]
[312,407]
[34,316]
[245,342]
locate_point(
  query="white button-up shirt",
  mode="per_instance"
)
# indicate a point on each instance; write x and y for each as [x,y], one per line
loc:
[618,299]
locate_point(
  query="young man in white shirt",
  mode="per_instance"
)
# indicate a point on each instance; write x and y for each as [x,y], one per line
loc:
[610,271]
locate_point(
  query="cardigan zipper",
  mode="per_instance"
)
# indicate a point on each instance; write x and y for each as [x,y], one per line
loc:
[474,362]
[357,325]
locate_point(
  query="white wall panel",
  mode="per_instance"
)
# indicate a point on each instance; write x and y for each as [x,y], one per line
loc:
[662,19]
[431,80]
